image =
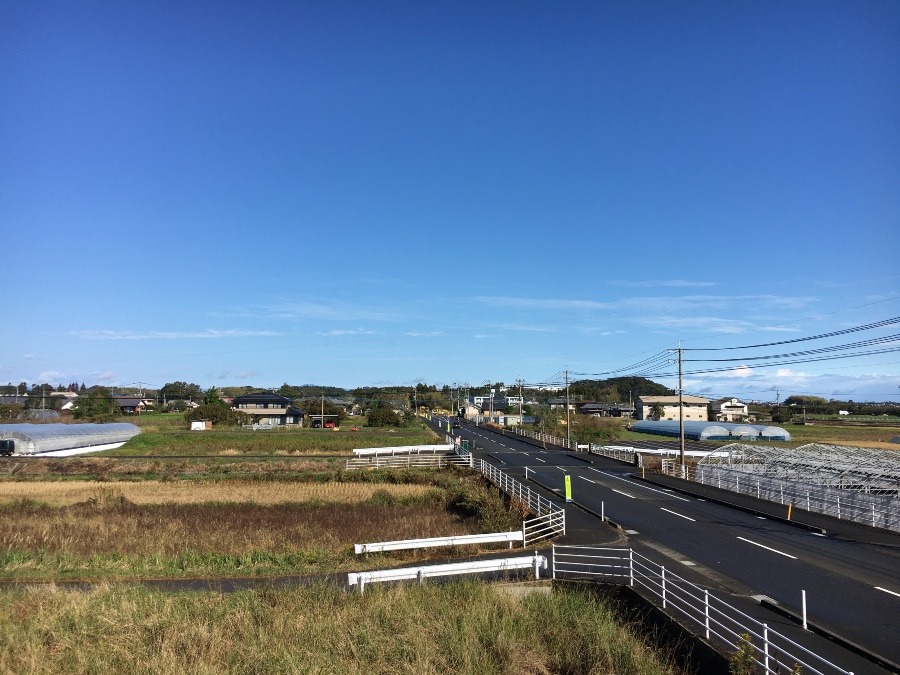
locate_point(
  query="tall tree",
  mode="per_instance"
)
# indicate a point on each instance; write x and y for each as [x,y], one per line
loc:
[96,405]
[180,391]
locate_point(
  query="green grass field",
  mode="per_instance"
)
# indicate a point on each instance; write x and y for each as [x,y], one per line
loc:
[167,435]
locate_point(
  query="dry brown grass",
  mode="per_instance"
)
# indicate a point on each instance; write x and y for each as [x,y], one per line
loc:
[68,493]
[222,529]
[464,628]
[90,529]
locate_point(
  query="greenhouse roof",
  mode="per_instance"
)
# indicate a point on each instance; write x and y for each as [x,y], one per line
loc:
[703,431]
[842,466]
[37,438]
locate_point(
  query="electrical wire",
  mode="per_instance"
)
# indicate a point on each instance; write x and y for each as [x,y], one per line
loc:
[877,324]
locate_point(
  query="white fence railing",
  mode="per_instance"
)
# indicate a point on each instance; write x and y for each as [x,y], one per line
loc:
[869,509]
[546,438]
[435,542]
[719,621]
[428,460]
[360,579]
[404,450]
[554,517]
[619,452]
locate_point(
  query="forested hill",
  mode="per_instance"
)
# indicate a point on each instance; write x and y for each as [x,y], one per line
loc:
[616,389]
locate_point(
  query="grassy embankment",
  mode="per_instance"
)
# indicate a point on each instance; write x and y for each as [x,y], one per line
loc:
[462,627]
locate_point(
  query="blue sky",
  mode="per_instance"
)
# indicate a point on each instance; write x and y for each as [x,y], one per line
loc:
[373,193]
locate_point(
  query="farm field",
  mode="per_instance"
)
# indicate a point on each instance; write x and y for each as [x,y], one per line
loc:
[76,529]
[164,435]
[461,627]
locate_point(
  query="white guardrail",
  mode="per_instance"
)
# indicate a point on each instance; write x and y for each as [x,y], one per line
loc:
[719,621]
[432,542]
[425,460]
[403,450]
[550,520]
[360,579]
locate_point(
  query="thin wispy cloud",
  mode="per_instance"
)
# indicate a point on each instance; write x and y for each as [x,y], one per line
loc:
[528,328]
[710,324]
[664,283]
[541,303]
[298,311]
[425,334]
[738,303]
[650,303]
[208,334]
[229,375]
[357,331]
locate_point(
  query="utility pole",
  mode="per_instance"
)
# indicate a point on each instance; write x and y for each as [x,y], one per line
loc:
[568,423]
[520,382]
[680,409]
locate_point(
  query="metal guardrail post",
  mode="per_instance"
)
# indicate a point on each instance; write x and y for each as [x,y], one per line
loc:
[706,611]
[663,579]
[631,567]
[765,647]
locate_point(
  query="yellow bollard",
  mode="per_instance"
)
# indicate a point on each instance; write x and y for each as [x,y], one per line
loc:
[790,508]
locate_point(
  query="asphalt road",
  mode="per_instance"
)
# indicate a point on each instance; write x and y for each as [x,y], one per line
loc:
[852,586]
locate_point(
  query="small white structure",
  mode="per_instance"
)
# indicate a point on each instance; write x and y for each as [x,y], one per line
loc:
[201,425]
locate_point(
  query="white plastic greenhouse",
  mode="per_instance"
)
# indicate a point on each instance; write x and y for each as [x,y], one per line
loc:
[712,431]
[35,439]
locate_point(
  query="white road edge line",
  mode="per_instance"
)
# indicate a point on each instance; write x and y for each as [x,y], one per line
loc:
[679,515]
[588,480]
[879,588]
[773,550]
[623,493]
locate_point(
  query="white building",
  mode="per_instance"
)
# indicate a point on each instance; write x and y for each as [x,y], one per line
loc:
[729,410]
[695,407]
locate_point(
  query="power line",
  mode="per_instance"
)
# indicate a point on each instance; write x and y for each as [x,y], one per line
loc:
[877,324]
[852,345]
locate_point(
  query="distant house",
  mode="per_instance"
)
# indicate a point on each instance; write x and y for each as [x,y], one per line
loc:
[130,405]
[728,410]
[604,409]
[560,402]
[268,408]
[694,407]
[68,398]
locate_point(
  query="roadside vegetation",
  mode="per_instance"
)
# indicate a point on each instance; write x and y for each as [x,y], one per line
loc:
[462,627]
[53,530]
